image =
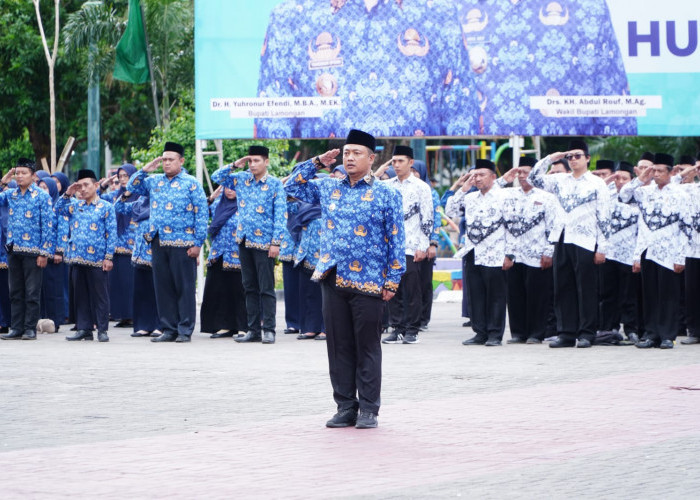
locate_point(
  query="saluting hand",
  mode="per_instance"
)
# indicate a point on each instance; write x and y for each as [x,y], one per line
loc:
[72,189]
[8,176]
[557,156]
[241,162]
[509,176]
[329,157]
[153,165]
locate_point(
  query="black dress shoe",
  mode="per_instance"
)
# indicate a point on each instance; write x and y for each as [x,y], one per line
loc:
[492,342]
[559,342]
[249,337]
[81,335]
[289,331]
[474,341]
[29,335]
[632,337]
[102,337]
[221,335]
[125,323]
[583,343]
[515,340]
[645,344]
[666,344]
[533,340]
[467,323]
[165,337]
[366,420]
[268,337]
[4,329]
[691,340]
[344,418]
[13,335]
[183,338]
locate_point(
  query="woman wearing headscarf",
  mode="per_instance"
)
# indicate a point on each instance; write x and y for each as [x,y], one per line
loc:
[144,307]
[53,301]
[62,183]
[121,279]
[223,312]
[4,285]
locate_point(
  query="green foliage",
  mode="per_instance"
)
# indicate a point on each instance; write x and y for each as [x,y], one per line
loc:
[13,149]
[631,148]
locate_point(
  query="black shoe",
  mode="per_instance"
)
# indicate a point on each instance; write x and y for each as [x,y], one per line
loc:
[665,344]
[125,323]
[559,342]
[102,337]
[645,344]
[29,335]
[4,329]
[583,343]
[344,418]
[221,335]
[492,342]
[410,338]
[81,335]
[366,420]
[467,323]
[249,337]
[183,338]
[515,340]
[632,337]
[268,337]
[474,341]
[74,328]
[289,331]
[165,337]
[533,340]
[393,338]
[13,335]
[139,334]
[691,340]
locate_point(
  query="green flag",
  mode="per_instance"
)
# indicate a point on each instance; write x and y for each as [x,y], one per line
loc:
[132,58]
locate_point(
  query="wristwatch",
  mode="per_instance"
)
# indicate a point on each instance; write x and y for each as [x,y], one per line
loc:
[318,162]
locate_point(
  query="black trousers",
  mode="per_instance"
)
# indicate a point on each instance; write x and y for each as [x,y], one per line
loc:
[121,288]
[618,297]
[175,279]
[4,298]
[662,294]
[530,302]
[145,308]
[692,296]
[406,307]
[223,304]
[24,281]
[290,278]
[487,297]
[466,306]
[310,304]
[258,272]
[426,285]
[353,327]
[575,292]
[91,292]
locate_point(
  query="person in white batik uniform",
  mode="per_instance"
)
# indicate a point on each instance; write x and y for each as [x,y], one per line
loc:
[485,249]
[661,249]
[582,245]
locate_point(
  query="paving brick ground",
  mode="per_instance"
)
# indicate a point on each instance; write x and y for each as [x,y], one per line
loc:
[214,419]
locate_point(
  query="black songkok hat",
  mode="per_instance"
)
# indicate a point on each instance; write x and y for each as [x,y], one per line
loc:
[174,147]
[361,138]
[527,161]
[578,144]
[27,163]
[403,151]
[258,151]
[663,159]
[646,155]
[626,167]
[603,164]
[686,160]
[486,164]
[86,174]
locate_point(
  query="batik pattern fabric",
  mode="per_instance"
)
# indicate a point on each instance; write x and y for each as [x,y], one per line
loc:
[518,49]
[399,69]
[262,207]
[309,248]
[692,222]
[141,254]
[363,231]
[485,226]
[586,204]
[665,214]
[224,245]
[622,234]
[533,221]
[437,218]
[126,240]
[31,223]
[93,230]
[288,247]
[418,212]
[179,211]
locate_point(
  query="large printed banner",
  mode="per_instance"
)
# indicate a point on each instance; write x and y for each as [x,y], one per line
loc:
[411,68]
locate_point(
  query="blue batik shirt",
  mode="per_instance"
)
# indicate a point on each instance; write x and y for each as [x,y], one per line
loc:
[399,69]
[127,239]
[309,249]
[31,226]
[363,232]
[93,230]
[141,254]
[262,207]
[288,247]
[542,48]
[224,244]
[437,218]
[179,211]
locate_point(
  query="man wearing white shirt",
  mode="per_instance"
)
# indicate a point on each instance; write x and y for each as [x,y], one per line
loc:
[585,199]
